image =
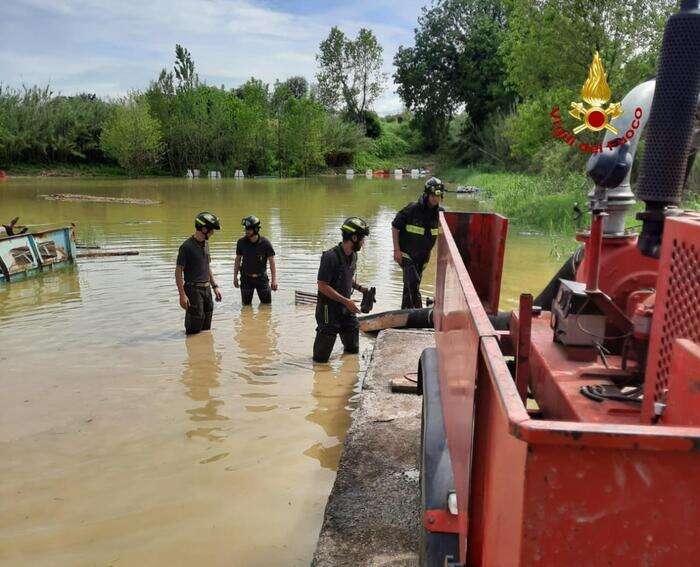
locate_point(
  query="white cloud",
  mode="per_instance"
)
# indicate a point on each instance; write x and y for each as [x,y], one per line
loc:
[112,46]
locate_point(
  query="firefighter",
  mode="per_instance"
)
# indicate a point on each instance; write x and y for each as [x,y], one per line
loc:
[194,277]
[335,311]
[414,231]
[252,253]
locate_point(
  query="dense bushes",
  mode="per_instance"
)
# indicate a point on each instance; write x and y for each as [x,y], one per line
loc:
[483,75]
[133,138]
[180,123]
[37,126]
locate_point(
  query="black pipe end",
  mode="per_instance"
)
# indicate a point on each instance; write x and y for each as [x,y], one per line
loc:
[609,169]
[649,241]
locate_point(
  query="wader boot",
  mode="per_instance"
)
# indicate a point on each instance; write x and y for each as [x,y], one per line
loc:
[334,319]
[198,315]
[252,283]
[412,275]
[323,346]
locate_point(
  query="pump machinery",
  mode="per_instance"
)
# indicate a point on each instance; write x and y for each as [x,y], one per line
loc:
[567,433]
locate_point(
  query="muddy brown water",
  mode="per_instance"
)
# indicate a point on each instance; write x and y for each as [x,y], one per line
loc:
[124,443]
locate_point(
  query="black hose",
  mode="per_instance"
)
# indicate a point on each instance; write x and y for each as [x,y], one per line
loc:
[566,272]
[423,318]
[420,319]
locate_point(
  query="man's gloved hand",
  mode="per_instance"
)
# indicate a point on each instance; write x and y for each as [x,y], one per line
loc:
[368,299]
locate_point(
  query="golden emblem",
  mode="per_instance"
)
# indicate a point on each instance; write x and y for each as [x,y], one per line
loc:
[595,92]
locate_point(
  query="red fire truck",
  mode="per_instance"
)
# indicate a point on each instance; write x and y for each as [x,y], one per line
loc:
[567,432]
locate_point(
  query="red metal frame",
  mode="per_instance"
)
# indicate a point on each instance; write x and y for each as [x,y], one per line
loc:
[480,239]
[677,307]
[460,321]
[522,356]
[441,521]
[623,269]
[585,485]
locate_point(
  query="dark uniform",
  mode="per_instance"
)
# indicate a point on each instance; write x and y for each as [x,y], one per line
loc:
[193,257]
[337,269]
[418,225]
[254,269]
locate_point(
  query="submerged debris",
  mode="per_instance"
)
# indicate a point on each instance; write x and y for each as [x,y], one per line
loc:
[96,199]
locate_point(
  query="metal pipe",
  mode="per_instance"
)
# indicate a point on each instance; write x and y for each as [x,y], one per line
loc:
[522,369]
[670,132]
[611,170]
[593,250]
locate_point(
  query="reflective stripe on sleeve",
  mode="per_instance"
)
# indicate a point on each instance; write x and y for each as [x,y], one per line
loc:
[415,229]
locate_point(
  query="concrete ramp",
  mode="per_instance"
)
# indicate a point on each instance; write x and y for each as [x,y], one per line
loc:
[372,517]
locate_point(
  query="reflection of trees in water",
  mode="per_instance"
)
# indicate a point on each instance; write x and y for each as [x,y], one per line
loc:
[201,376]
[46,289]
[333,386]
[256,336]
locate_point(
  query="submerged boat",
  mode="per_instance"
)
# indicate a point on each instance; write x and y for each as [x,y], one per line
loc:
[467,190]
[25,255]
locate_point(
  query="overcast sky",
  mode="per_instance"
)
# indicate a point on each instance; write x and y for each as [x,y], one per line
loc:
[109,47]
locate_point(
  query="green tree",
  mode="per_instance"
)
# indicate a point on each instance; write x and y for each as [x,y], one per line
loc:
[254,129]
[350,75]
[37,126]
[373,127]
[298,86]
[341,140]
[550,43]
[302,137]
[548,48]
[184,69]
[456,63]
[133,137]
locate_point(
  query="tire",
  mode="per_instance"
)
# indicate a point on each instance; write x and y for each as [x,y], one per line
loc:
[436,480]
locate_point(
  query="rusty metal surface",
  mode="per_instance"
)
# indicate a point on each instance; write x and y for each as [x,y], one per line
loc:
[599,507]
[677,308]
[481,241]
[441,521]
[683,406]
[586,485]
[522,357]
[622,268]
[460,321]
[498,481]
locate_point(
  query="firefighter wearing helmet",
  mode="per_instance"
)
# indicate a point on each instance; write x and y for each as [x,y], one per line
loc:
[193,275]
[335,311]
[252,254]
[414,232]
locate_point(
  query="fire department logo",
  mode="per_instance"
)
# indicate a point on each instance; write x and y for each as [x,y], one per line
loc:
[594,116]
[596,92]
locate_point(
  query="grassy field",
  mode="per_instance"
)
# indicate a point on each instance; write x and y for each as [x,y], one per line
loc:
[66,170]
[528,200]
[536,201]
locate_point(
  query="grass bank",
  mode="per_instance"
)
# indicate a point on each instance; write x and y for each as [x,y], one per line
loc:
[65,170]
[540,202]
[531,201]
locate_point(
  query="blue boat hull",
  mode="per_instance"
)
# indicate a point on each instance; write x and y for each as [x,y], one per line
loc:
[26,255]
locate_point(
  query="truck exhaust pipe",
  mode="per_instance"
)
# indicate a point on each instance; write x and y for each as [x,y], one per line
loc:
[670,128]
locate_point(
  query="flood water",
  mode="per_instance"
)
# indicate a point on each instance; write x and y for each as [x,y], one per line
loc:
[124,443]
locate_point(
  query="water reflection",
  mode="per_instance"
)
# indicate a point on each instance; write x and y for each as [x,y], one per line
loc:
[333,385]
[51,288]
[115,328]
[201,377]
[256,335]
